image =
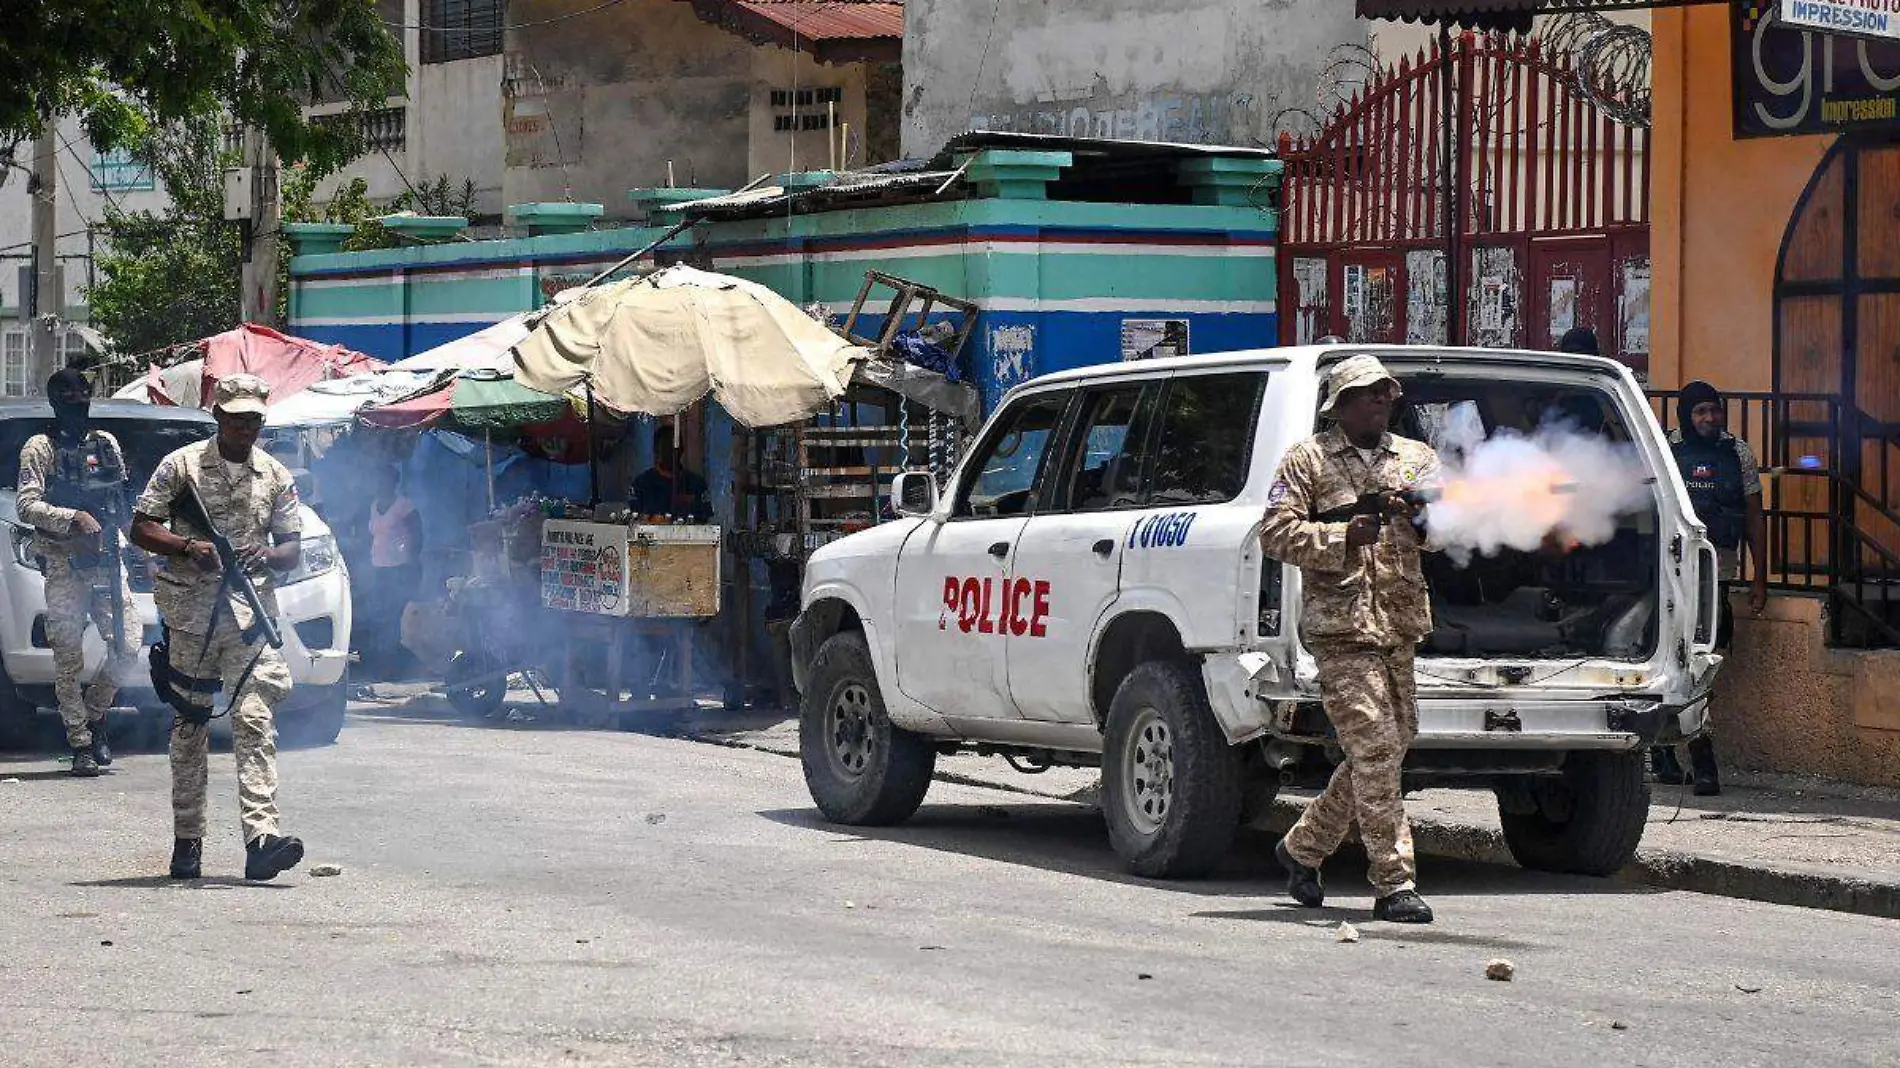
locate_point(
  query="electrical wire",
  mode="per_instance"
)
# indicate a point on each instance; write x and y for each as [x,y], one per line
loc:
[505,26]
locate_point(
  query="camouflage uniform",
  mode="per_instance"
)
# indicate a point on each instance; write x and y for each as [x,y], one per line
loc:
[1363,611]
[249,505]
[74,595]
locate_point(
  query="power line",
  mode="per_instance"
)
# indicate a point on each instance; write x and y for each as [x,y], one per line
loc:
[504,27]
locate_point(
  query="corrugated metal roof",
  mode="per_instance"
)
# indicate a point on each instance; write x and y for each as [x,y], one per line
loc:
[835,31]
[831,20]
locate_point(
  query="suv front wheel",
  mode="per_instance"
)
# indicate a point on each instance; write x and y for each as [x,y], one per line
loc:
[1170,782]
[861,769]
[1586,821]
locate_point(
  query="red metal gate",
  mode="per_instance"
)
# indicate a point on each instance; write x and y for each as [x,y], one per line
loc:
[1551,212]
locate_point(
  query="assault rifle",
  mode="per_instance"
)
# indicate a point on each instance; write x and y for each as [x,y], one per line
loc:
[235,579]
[112,549]
[1373,504]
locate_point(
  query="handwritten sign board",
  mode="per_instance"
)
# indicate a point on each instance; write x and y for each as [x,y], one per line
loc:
[655,572]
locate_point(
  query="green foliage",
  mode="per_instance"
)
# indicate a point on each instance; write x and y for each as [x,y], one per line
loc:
[170,277]
[127,67]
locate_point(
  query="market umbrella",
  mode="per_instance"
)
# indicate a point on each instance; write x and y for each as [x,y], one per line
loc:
[660,343]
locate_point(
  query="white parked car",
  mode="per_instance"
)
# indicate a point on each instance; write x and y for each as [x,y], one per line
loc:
[314,599]
[1090,590]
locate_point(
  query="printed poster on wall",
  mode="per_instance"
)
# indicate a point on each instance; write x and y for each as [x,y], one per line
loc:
[1563,308]
[1148,339]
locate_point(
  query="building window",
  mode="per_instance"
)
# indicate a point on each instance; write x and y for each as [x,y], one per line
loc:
[461,29]
[15,346]
[16,358]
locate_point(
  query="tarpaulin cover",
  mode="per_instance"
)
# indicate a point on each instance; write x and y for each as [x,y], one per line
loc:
[485,349]
[289,364]
[337,401]
[658,344]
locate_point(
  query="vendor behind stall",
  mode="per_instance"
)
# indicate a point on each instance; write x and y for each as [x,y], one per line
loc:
[668,487]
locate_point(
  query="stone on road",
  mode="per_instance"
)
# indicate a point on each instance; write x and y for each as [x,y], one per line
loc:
[510,902]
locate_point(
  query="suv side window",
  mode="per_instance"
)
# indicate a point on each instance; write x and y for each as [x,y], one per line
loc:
[1104,466]
[1206,440]
[1008,465]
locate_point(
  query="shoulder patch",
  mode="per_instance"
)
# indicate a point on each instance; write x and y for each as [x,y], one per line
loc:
[1277,493]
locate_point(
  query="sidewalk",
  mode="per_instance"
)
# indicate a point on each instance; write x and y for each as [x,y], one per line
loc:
[1782,839]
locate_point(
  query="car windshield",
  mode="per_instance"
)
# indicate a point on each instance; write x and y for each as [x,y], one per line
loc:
[145,441]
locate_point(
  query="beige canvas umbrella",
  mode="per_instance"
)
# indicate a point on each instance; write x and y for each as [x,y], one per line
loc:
[659,343]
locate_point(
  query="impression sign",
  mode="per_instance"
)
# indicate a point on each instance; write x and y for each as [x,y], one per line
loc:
[1794,80]
[1867,18]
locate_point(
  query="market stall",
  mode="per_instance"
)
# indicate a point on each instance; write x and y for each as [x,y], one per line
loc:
[623,612]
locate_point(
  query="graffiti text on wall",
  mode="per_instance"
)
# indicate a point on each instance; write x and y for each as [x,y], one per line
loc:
[1204,118]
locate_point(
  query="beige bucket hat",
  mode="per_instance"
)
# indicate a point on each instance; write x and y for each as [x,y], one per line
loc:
[1354,372]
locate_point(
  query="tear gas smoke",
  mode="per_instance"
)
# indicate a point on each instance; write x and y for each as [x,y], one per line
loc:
[1512,491]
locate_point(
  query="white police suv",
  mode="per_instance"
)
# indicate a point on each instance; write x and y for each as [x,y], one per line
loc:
[1089,590]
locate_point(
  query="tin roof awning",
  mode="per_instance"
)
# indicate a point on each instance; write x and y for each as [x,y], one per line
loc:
[832,31]
[1501,14]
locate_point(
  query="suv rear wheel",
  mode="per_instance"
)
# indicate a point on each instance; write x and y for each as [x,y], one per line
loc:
[1586,821]
[861,770]
[1170,782]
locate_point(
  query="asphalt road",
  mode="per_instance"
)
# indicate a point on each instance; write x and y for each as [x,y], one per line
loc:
[534,896]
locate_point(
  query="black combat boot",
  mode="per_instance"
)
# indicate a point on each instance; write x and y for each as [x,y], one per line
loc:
[1303,884]
[187,857]
[1664,765]
[269,855]
[101,749]
[85,765]
[1403,907]
[1702,760]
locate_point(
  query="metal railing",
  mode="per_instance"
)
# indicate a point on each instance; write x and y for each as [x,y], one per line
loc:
[1829,495]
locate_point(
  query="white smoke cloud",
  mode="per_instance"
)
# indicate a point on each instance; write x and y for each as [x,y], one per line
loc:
[1511,491]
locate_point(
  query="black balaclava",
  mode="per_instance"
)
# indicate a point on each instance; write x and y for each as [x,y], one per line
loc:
[1694,393]
[69,417]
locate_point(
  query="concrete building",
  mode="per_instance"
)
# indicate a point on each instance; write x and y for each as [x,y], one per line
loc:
[710,93]
[567,100]
[1197,71]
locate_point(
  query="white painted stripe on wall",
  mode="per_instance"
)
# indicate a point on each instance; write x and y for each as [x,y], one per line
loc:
[997,248]
[420,278]
[883,307]
[481,318]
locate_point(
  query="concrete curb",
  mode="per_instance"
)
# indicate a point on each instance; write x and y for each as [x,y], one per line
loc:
[1813,888]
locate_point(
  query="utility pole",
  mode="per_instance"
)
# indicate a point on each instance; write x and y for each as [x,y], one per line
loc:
[260,245]
[49,297]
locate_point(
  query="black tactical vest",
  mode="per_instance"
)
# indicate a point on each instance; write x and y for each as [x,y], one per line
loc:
[1712,470]
[88,477]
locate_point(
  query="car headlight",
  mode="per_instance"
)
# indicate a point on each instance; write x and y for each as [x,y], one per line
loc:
[316,556]
[23,553]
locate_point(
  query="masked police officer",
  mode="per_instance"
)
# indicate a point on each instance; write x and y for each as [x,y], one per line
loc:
[250,499]
[1725,488]
[72,493]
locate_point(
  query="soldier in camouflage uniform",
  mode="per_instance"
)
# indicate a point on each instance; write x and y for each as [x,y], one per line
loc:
[252,500]
[61,476]
[1364,610]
